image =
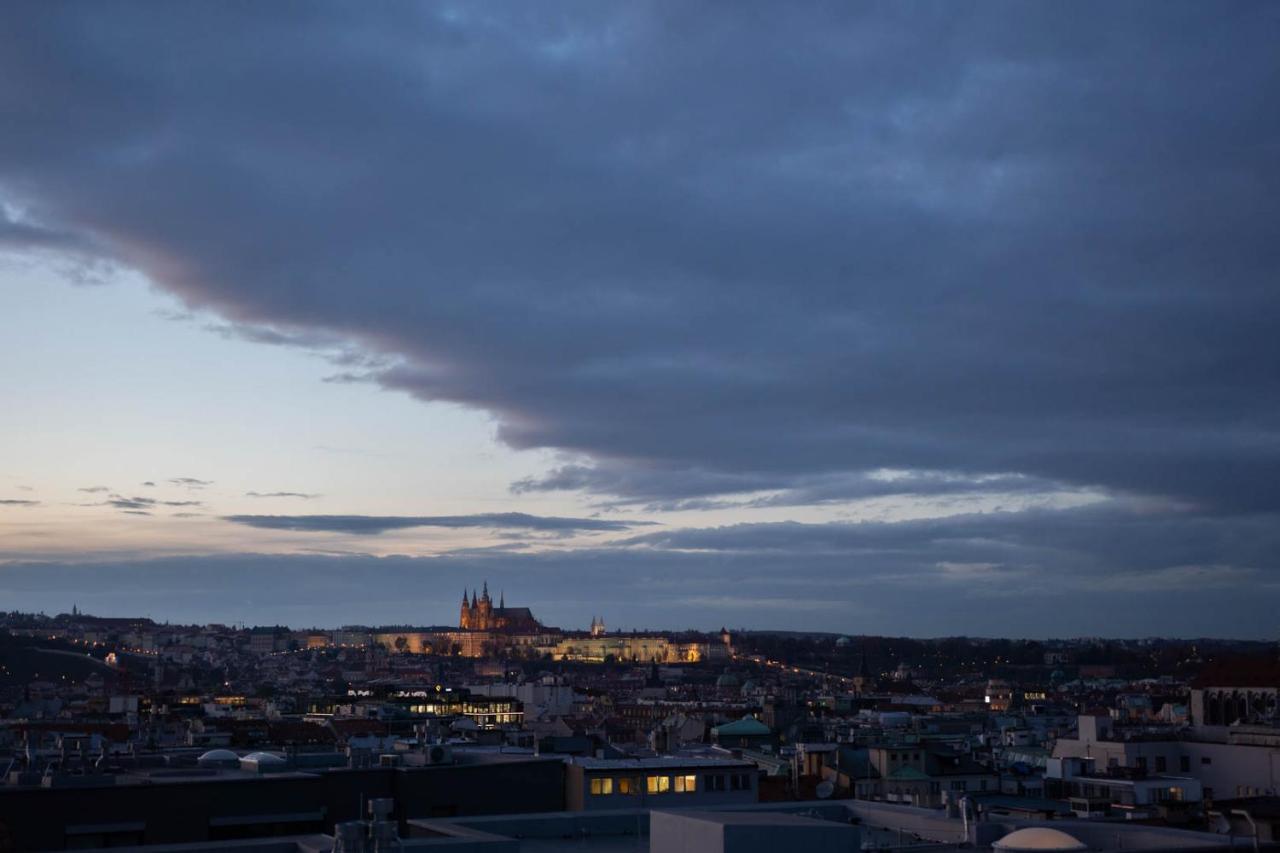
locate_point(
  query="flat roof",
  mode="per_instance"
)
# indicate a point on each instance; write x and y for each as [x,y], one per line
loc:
[745,818]
[660,763]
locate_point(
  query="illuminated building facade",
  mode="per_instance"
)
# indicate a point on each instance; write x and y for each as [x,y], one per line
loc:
[479,614]
[633,647]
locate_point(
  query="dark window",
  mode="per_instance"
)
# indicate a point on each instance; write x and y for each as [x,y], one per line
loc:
[1204,759]
[1142,762]
[1160,764]
[1184,763]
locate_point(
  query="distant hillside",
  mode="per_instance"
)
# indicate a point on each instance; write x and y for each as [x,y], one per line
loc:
[24,659]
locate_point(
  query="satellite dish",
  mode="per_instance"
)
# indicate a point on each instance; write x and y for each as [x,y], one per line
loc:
[825,789]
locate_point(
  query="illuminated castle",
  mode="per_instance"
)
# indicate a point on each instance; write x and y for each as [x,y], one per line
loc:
[479,614]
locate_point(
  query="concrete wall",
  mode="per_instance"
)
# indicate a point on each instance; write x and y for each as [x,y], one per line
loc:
[930,824]
[1219,767]
[712,832]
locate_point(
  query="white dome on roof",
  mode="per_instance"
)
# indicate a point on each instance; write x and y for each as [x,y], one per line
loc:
[265,758]
[1039,838]
[216,757]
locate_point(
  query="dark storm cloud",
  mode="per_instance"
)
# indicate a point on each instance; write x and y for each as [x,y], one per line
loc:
[302,495]
[18,234]
[1025,238]
[715,257]
[373,524]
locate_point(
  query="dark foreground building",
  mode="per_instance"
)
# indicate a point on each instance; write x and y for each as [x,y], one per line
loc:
[178,805]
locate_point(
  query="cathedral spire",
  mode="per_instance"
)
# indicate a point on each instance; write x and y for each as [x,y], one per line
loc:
[485,597]
[502,600]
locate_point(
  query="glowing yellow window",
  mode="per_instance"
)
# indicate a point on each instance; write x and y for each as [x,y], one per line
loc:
[686,784]
[625,786]
[600,787]
[659,784]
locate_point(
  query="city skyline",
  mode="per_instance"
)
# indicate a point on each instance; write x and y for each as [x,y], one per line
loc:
[951,323]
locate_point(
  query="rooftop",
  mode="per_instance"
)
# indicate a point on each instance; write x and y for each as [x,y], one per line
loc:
[659,763]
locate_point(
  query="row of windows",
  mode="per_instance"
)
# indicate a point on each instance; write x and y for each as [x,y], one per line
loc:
[1246,791]
[1162,764]
[604,786]
[735,782]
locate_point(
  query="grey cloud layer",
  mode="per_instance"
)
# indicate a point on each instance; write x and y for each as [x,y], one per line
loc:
[841,591]
[302,495]
[383,523]
[1030,239]
[190,482]
[123,502]
[1011,247]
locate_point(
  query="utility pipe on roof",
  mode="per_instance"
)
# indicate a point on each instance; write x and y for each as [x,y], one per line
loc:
[1244,813]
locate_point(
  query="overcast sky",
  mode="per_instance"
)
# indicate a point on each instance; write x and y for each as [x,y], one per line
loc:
[923,319]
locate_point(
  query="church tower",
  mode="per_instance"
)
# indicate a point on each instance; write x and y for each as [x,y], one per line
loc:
[464,621]
[484,610]
[862,680]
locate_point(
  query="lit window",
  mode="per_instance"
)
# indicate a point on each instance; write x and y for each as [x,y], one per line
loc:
[624,785]
[686,784]
[600,787]
[659,784]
